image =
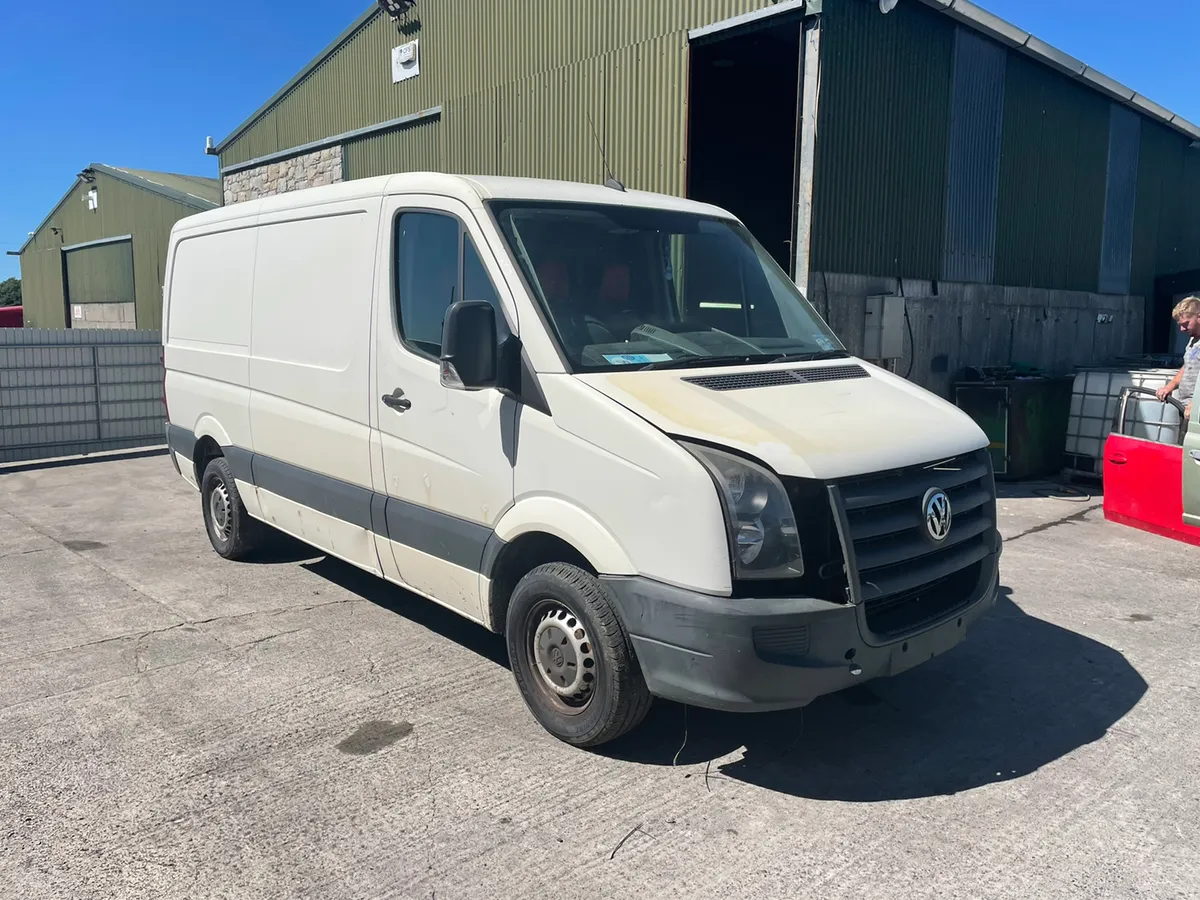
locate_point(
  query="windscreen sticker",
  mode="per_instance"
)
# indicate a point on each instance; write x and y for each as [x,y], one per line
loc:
[823,342]
[628,359]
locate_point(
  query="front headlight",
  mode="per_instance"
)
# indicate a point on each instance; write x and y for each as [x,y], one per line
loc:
[762,527]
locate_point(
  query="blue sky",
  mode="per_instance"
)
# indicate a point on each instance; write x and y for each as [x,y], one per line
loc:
[141,84]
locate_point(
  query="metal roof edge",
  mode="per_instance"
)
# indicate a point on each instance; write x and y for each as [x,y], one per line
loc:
[186,199]
[978,18]
[360,23]
[99,242]
[290,152]
[781,7]
[50,215]
[161,189]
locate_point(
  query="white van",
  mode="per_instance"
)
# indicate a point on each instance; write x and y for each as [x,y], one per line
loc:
[602,422]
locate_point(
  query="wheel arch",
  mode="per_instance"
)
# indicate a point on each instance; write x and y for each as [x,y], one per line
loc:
[543,530]
[211,438]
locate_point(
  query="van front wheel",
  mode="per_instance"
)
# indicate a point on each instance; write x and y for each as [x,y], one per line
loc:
[573,662]
[232,531]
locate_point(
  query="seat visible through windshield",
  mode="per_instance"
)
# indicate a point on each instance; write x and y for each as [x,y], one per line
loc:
[629,286]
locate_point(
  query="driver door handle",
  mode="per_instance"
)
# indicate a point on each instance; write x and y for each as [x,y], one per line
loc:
[397,401]
[1194,454]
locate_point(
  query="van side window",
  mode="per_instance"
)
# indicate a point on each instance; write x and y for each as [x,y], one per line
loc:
[478,286]
[429,280]
[426,277]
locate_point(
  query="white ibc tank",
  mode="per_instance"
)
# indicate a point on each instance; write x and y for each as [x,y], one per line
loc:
[1094,406]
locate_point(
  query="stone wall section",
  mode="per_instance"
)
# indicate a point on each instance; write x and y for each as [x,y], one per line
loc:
[104,315]
[308,170]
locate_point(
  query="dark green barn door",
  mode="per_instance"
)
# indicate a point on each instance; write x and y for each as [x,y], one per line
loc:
[100,289]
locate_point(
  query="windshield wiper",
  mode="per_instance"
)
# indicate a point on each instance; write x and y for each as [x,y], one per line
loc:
[700,362]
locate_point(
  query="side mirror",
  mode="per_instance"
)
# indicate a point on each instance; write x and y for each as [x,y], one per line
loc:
[469,346]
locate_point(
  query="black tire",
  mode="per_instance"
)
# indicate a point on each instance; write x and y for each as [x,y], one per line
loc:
[241,534]
[581,623]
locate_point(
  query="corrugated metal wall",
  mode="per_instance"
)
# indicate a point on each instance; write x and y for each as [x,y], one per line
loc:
[1053,169]
[1116,247]
[477,56]
[1179,224]
[973,173]
[124,209]
[68,392]
[904,161]
[1160,160]
[542,123]
[1166,230]
[413,149]
[539,125]
[879,193]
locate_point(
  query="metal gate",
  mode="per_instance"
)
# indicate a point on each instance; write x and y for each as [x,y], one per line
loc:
[78,391]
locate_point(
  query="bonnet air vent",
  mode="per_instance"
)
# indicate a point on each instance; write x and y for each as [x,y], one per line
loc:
[742,380]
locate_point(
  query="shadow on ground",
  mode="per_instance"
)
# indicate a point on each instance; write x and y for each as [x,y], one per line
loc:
[1018,694]
[39,464]
[281,548]
[416,609]
[1054,490]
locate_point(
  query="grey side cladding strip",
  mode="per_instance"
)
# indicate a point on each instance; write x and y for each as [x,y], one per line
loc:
[239,463]
[437,534]
[336,498]
[181,440]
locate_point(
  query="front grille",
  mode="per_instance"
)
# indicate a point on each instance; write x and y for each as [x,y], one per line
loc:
[900,613]
[742,380]
[905,578]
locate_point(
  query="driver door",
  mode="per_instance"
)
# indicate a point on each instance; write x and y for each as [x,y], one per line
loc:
[447,455]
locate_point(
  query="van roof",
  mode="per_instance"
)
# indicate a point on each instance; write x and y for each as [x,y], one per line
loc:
[471,189]
[501,188]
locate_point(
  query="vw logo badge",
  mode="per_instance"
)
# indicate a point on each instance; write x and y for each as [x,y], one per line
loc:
[936,507]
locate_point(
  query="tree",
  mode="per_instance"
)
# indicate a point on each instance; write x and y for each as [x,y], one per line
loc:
[10,292]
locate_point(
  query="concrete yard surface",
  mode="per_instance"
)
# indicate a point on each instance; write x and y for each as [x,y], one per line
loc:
[176,726]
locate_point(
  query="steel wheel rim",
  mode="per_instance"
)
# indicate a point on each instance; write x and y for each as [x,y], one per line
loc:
[220,511]
[561,656]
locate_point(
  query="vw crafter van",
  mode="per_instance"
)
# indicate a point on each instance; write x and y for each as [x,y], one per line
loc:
[602,422]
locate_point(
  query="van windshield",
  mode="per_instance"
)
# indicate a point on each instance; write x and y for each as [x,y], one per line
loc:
[629,287]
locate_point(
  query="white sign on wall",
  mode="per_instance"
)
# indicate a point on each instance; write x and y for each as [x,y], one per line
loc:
[76,311]
[405,62]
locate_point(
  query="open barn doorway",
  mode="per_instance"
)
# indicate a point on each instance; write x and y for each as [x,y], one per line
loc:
[743,110]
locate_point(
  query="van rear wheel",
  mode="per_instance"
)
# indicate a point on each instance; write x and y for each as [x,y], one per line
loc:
[573,662]
[233,532]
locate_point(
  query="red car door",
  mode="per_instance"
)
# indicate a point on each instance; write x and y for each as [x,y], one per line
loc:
[1143,486]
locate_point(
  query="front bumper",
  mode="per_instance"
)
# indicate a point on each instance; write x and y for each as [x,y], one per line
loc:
[749,655]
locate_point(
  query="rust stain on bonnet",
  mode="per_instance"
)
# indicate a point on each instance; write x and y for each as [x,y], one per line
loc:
[689,407]
[737,417]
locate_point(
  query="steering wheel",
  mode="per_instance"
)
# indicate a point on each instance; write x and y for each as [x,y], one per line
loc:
[593,323]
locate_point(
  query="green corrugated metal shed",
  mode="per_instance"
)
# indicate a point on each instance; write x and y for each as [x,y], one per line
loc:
[879,192]
[510,87]
[132,202]
[1053,168]
[514,97]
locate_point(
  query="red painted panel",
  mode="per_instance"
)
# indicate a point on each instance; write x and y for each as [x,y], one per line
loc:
[1143,487]
[11,316]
